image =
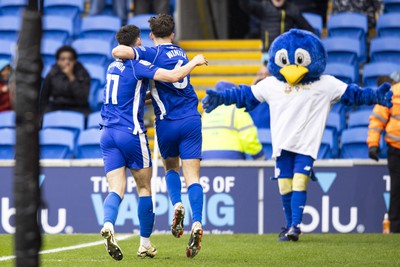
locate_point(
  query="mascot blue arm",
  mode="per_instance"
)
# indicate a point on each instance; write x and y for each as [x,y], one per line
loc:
[355,95]
[243,97]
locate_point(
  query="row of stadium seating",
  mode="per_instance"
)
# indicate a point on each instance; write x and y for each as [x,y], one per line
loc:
[82,141]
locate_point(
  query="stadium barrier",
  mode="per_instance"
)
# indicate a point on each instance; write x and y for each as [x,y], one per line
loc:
[351,196]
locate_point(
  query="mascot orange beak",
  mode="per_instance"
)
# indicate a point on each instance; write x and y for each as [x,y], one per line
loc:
[293,73]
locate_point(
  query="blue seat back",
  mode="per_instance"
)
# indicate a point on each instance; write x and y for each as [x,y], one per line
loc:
[58,27]
[325,149]
[315,21]
[100,27]
[48,49]
[354,143]
[7,143]
[7,49]
[343,50]
[375,69]
[89,144]
[264,136]
[343,72]
[70,8]
[12,7]
[385,49]
[94,120]
[141,21]
[7,119]
[67,120]
[391,6]
[359,118]
[388,25]
[86,52]
[10,27]
[56,144]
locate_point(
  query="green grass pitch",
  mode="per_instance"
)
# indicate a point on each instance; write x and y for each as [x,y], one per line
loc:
[225,250]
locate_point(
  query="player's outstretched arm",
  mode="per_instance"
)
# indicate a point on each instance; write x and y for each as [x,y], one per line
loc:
[355,95]
[123,52]
[179,73]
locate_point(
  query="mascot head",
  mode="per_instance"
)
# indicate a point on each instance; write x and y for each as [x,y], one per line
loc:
[297,56]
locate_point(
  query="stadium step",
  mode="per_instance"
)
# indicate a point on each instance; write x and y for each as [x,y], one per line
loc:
[227,55]
[203,82]
[226,70]
[254,45]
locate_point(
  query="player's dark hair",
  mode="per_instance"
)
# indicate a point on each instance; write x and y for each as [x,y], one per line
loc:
[66,48]
[128,35]
[162,26]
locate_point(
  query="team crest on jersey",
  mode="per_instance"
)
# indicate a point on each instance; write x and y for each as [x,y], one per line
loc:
[144,62]
[142,48]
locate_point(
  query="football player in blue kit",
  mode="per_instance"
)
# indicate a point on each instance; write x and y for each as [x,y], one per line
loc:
[177,124]
[124,142]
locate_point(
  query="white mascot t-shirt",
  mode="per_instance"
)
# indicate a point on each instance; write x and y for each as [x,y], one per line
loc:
[298,113]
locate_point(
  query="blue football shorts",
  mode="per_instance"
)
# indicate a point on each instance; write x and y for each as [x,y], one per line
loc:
[289,163]
[180,137]
[121,149]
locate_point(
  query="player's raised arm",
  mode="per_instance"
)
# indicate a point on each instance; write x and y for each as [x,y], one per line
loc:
[123,52]
[179,73]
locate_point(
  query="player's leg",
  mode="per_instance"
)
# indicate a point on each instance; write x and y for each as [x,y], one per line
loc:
[168,136]
[302,170]
[145,212]
[114,165]
[190,153]
[174,187]
[284,171]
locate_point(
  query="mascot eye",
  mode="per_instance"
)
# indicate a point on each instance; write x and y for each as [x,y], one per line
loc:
[281,58]
[302,57]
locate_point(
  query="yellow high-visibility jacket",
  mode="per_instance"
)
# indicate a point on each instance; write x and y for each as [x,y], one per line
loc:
[230,130]
[388,119]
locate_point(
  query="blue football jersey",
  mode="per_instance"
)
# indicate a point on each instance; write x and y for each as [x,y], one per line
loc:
[170,100]
[124,94]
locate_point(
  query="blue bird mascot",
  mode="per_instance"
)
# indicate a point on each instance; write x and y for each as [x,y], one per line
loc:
[300,98]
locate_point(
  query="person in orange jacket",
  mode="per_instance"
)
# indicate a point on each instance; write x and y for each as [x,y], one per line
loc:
[387,120]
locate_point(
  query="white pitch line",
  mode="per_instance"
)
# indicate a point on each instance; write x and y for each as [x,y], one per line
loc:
[55,250]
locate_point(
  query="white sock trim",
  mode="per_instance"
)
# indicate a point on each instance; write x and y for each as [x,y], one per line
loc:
[145,241]
[109,225]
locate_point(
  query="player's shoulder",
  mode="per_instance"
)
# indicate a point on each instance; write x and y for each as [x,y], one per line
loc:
[118,66]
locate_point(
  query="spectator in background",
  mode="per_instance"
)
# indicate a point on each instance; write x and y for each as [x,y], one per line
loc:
[152,7]
[67,85]
[371,8]
[276,17]
[260,114]
[5,95]
[229,131]
[120,8]
[387,120]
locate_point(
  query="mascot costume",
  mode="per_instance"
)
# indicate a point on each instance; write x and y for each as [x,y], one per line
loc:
[300,99]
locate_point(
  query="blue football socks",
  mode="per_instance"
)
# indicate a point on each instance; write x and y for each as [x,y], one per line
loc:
[195,192]
[174,186]
[110,205]
[146,216]
[298,203]
[287,208]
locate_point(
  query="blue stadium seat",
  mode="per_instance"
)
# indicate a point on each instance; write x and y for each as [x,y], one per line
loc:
[354,143]
[89,144]
[100,27]
[66,8]
[58,27]
[375,69]
[359,118]
[327,145]
[10,27]
[7,143]
[142,21]
[48,49]
[45,70]
[342,71]
[98,100]
[385,49]
[334,124]
[12,7]
[391,6]
[342,50]
[94,119]
[388,25]
[93,51]
[56,144]
[98,79]
[63,119]
[7,119]
[353,25]
[7,49]
[264,136]
[315,21]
